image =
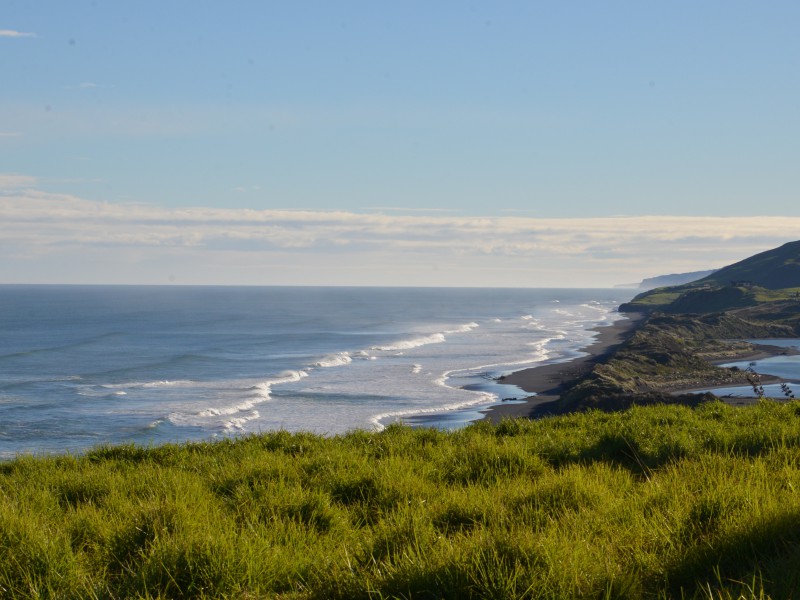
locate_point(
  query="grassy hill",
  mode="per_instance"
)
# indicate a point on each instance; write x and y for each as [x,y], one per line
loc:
[687,328]
[656,502]
[660,500]
[770,276]
[774,269]
[673,352]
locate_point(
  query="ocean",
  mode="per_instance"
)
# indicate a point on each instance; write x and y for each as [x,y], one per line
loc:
[87,365]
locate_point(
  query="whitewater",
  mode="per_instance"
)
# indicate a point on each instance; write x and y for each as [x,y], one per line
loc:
[88,365]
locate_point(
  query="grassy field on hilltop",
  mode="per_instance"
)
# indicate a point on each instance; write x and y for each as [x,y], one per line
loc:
[771,276]
[652,502]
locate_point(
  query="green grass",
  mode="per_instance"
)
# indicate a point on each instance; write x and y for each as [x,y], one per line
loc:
[655,502]
[657,297]
[765,295]
[692,297]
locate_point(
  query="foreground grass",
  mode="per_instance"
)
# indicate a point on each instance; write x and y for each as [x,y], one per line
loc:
[662,502]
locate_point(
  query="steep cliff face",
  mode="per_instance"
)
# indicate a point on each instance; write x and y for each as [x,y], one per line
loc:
[652,283]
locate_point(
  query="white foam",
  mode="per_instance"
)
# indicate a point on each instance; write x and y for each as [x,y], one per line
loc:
[594,306]
[334,360]
[152,384]
[229,410]
[478,398]
[541,352]
[166,383]
[238,423]
[236,408]
[263,390]
[259,393]
[99,391]
[436,338]
[464,328]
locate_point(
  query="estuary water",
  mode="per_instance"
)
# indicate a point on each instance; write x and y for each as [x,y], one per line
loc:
[786,366]
[86,365]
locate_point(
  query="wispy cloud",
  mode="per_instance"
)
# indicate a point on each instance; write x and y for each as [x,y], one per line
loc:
[14,182]
[11,33]
[10,134]
[355,248]
[402,209]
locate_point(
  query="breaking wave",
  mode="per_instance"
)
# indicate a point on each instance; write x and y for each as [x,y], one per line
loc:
[240,412]
[334,360]
[434,338]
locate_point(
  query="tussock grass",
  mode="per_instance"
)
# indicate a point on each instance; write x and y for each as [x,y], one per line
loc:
[653,502]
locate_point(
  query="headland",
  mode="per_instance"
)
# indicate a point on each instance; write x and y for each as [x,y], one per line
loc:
[670,348]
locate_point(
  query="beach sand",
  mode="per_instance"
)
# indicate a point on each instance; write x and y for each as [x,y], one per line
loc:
[547,381]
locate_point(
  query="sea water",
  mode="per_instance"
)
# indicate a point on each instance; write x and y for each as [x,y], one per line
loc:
[86,365]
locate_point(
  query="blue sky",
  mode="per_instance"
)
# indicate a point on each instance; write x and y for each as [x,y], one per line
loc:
[453,112]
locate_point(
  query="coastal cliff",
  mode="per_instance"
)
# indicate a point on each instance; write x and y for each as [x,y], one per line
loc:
[688,329]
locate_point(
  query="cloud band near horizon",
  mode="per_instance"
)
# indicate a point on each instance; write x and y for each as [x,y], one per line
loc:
[55,238]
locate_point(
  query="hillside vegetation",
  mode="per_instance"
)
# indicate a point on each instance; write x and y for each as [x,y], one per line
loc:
[774,269]
[656,502]
[770,276]
[659,500]
[688,327]
[673,352]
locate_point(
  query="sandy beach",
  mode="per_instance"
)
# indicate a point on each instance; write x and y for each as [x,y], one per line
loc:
[547,381]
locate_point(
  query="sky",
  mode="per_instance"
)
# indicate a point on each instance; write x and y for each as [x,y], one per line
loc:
[513,144]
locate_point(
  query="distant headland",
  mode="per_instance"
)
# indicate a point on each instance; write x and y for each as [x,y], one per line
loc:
[675,339]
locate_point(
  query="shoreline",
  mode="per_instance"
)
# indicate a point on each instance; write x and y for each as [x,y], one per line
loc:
[547,381]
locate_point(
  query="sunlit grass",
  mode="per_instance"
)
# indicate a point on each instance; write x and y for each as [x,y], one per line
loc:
[659,502]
